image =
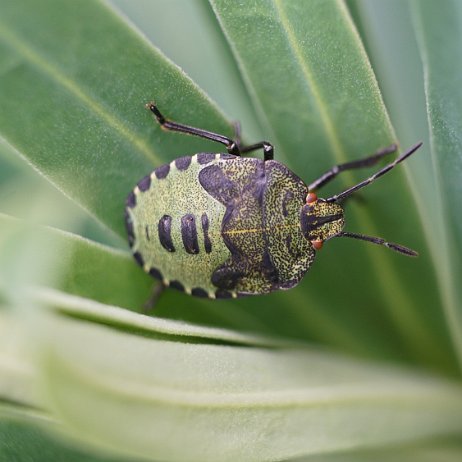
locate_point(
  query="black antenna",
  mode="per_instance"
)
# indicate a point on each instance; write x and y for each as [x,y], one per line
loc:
[378,240]
[387,168]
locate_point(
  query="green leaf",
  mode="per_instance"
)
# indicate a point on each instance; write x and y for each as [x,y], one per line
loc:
[79,266]
[211,402]
[442,77]
[25,436]
[199,47]
[426,451]
[322,105]
[19,182]
[82,308]
[84,125]
[312,110]
[408,98]
[17,372]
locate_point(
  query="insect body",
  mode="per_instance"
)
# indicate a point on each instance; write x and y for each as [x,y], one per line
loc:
[221,226]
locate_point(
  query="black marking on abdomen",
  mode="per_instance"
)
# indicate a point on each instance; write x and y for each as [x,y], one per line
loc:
[198,292]
[162,171]
[146,230]
[129,228]
[182,163]
[164,229]
[177,285]
[205,157]
[205,230]
[145,183]
[220,293]
[155,273]
[139,259]
[189,233]
[131,200]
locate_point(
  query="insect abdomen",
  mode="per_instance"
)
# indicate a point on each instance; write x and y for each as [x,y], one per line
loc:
[174,226]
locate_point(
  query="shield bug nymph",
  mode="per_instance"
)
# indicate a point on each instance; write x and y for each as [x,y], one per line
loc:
[222,225]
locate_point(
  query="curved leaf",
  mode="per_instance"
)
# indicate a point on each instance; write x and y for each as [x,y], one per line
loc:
[82,308]
[443,74]
[408,97]
[428,451]
[17,372]
[25,436]
[245,403]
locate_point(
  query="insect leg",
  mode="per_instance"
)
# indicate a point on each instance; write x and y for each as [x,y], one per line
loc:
[232,146]
[151,302]
[360,163]
[268,150]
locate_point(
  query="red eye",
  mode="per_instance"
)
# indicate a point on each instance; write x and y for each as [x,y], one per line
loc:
[311,197]
[317,244]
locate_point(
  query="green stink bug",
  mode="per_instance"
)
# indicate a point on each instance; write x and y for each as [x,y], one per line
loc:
[222,226]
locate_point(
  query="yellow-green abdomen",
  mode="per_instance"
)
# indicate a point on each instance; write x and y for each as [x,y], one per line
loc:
[174,226]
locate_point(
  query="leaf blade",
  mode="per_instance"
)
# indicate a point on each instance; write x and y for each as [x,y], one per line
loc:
[74,100]
[442,75]
[78,266]
[313,93]
[25,436]
[218,394]
[407,100]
